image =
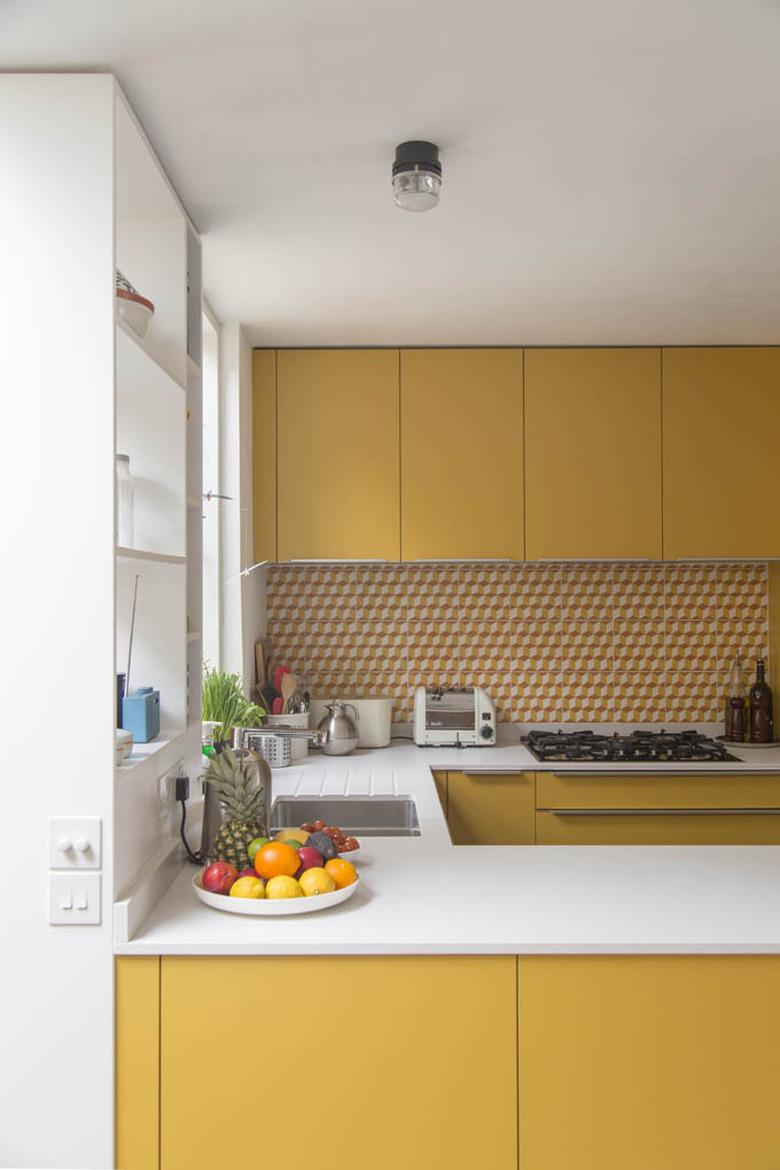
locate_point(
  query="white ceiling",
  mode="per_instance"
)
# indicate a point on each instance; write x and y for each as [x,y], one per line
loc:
[611,169]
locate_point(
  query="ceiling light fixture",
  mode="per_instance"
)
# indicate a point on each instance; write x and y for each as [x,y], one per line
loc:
[416,176]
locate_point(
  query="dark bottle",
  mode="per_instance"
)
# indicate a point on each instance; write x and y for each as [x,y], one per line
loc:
[762,729]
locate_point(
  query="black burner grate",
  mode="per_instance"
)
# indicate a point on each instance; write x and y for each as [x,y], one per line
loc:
[639,747]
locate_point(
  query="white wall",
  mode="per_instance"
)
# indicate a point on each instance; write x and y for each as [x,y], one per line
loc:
[56,606]
[243,601]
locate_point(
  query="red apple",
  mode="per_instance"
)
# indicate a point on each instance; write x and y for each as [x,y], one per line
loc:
[247,871]
[309,857]
[219,877]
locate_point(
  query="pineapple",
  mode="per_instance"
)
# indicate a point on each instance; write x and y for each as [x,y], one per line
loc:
[234,779]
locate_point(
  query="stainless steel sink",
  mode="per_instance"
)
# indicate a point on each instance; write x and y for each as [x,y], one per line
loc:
[363,816]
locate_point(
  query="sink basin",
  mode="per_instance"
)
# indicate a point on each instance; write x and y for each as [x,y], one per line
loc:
[362,816]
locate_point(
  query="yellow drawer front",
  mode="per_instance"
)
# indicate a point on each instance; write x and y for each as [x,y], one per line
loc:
[656,790]
[491,809]
[657,828]
[667,1062]
[341,1062]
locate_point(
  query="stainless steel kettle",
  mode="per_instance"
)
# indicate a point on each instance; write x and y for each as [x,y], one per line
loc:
[340,731]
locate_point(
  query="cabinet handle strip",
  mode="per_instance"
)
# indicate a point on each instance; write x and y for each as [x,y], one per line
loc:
[662,812]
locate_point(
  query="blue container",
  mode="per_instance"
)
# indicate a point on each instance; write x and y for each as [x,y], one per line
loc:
[141,714]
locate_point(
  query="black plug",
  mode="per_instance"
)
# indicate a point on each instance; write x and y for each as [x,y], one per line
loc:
[182,788]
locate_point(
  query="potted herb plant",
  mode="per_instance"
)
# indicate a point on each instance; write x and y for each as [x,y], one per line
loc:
[226,705]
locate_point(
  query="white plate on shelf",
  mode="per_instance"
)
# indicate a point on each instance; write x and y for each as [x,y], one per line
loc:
[270,907]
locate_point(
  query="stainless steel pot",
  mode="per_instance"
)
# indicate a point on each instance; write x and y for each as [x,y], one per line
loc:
[339,729]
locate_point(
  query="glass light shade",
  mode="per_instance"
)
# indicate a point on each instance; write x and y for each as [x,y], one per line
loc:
[416,190]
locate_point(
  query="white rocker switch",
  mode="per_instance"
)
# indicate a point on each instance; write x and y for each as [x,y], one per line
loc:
[74,899]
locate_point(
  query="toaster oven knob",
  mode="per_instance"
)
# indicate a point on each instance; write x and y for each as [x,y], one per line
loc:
[486,732]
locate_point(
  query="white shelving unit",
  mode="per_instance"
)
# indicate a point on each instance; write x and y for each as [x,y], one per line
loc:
[158,419]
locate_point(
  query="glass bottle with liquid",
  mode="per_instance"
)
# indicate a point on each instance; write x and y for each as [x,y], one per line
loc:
[736,715]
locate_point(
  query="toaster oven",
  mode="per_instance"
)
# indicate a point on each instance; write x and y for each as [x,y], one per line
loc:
[454,717]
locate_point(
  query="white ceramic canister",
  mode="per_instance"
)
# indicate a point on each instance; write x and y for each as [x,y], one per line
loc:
[300,747]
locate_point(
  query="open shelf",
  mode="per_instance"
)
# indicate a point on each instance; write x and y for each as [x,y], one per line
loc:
[151,424]
[140,343]
[146,757]
[140,554]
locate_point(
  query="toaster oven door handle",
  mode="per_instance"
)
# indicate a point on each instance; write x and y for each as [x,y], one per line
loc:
[662,812]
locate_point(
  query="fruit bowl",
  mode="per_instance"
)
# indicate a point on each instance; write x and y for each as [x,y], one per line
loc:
[269,907]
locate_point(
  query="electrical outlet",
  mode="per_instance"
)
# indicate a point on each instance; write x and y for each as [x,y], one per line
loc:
[166,799]
[74,842]
[74,899]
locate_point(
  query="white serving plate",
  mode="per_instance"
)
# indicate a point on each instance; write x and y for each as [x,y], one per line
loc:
[268,907]
[739,744]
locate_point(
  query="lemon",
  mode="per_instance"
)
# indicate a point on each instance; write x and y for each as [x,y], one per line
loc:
[283,887]
[316,881]
[247,887]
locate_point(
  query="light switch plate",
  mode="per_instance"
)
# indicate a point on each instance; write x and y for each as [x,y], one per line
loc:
[74,899]
[74,842]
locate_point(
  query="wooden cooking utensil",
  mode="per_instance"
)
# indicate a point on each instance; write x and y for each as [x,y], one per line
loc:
[288,689]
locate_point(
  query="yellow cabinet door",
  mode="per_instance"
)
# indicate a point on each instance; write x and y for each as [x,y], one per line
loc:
[385,1062]
[440,780]
[338,454]
[137,1080]
[491,809]
[721,425]
[669,827]
[263,454]
[650,1062]
[462,453]
[593,453]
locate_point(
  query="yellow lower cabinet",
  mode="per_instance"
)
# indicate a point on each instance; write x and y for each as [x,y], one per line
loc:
[577,808]
[440,780]
[137,1063]
[491,808]
[649,1062]
[655,828]
[387,1062]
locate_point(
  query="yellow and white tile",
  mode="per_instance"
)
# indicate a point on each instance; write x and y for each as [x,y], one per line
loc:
[586,646]
[639,645]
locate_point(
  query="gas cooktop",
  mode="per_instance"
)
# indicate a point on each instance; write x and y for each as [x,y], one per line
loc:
[640,747]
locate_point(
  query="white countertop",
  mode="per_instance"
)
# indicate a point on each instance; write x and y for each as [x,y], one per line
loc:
[423,895]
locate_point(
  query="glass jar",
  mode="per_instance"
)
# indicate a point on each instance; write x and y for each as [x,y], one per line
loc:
[125,524]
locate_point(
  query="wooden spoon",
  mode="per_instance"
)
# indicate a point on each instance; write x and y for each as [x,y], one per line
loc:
[288,689]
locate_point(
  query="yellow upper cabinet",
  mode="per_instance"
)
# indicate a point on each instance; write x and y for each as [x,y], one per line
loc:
[462,453]
[263,453]
[721,427]
[593,453]
[338,454]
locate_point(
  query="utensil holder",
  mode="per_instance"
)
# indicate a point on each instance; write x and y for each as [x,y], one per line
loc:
[299,747]
[276,751]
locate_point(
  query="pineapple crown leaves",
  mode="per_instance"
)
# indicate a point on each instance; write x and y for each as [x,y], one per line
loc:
[235,783]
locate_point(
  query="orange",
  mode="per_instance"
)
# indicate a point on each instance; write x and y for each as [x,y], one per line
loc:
[343,872]
[276,860]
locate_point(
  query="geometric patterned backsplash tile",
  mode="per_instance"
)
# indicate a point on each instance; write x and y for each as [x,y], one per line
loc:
[614,642]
